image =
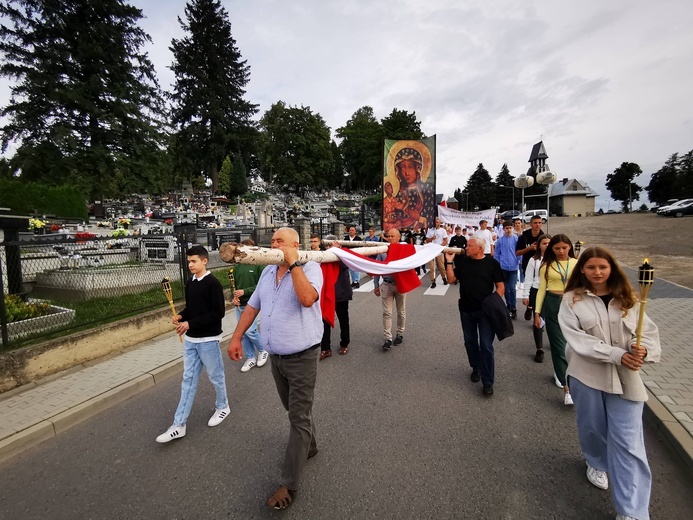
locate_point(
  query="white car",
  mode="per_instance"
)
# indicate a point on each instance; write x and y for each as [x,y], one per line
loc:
[527,215]
[679,204]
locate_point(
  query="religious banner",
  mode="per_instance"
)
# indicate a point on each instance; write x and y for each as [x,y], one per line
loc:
[465,218]
[409,184]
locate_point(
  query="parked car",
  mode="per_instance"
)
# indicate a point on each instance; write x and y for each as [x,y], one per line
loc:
[667,203]
[527,215]
[662,210]
[511,214]
[678,210]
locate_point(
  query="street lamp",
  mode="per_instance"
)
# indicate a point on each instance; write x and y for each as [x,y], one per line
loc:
[512,188]
[547,177]
[522,182]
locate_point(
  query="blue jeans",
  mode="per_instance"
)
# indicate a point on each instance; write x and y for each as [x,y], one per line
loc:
[251,338]
[611,437]
[195,356]
[355,276]
[478,341]
[510,279]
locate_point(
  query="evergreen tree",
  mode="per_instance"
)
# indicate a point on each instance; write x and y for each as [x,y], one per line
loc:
[225,174]
[362,148]
[685,175]
[621,185]
[663,183]
[481,189]
[401,124]
[337,178]
[238,184]
[505,196]
[210,116]
[86,107]
[295,148]
[462,198]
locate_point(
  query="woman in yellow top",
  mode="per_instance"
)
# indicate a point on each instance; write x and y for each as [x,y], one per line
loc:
[559,262]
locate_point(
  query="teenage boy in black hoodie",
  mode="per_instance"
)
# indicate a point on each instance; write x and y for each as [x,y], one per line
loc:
[200,322]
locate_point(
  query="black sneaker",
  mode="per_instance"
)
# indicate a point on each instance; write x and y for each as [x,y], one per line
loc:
[528,314]
[539,356]
[475,377]
[487,390]
[513,314]
[398,340]
[445,281]
[433,285]
[387,345]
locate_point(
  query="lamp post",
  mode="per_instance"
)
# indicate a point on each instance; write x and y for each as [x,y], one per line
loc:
[522,182]
[547,177]
[512,188]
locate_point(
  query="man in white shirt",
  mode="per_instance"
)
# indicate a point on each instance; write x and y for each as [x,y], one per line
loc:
[439,236]
[486,234]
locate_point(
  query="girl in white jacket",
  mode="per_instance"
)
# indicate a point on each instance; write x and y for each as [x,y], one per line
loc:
[598,317]
[529,292]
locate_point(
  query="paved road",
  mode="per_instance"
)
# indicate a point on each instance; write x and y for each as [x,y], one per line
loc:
[403,434]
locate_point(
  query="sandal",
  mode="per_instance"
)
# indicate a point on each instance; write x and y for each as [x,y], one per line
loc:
[343,350]
[325,354]
[281,499]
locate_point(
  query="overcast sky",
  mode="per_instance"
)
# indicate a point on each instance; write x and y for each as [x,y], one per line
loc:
[602,81]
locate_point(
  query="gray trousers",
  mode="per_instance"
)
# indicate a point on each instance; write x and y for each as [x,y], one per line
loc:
[295,380]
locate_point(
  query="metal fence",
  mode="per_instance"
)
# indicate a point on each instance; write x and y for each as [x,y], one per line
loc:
[55,284]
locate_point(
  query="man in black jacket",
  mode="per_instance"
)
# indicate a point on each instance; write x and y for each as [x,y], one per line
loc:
[479,276]
[200,325]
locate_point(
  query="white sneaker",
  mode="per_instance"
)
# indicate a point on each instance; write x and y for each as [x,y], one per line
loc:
[249,363]
[262,358]
[555,380]
[621,517]
[567,399]
[219,416]
[174,432]
[598,478]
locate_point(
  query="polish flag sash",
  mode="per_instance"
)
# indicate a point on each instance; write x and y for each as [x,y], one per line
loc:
[400,263]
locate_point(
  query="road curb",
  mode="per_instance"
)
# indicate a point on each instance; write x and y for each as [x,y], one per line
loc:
[673,433]
[25,439]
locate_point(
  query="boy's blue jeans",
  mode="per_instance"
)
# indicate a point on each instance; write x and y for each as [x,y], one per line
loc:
[251,338]
[195,356]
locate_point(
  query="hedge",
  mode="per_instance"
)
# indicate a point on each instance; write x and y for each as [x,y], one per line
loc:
[24,197]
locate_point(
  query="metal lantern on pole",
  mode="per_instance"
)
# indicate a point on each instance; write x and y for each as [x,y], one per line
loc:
[522,182]
[547,177]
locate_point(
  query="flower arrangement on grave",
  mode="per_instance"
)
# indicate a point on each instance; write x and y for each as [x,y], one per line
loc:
[18,310]
[120,232]
[37,223]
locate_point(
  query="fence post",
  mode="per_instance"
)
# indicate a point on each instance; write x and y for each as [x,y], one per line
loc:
[3,311]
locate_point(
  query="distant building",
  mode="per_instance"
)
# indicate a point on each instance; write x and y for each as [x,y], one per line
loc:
[572,197]
[566,197]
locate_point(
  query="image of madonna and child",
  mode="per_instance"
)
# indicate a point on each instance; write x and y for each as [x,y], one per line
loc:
[414,203]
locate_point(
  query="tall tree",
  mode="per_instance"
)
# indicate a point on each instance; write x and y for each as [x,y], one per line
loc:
[401,124]
[685,175]
[85,107]
[336,180]
[505,189]
[224,186]
[238,184]
[663,183]
[462,198]
[621,185]
[362,148]
[481,189]
[295,147]
[211,117]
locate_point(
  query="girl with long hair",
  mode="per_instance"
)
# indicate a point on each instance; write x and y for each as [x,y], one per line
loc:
[599,317]
[559,263]
[529,293]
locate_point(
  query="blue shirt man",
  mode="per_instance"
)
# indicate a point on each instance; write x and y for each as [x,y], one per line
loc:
[505,254]
[286,298]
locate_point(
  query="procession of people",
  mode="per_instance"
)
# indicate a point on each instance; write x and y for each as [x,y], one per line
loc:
[586,305]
